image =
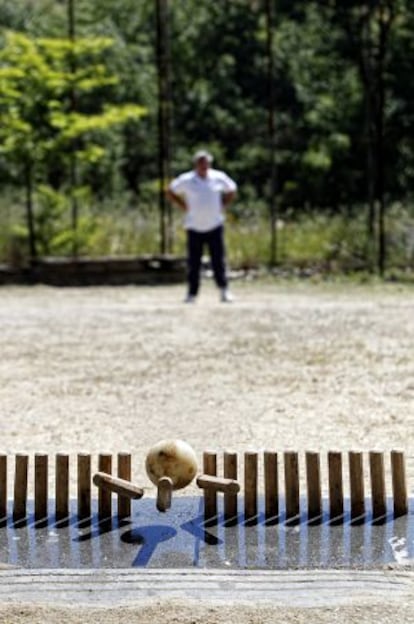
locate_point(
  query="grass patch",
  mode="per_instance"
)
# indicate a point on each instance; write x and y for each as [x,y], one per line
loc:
[328,243]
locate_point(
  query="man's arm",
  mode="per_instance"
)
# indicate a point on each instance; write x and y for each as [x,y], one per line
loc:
[228,197]
[176,199]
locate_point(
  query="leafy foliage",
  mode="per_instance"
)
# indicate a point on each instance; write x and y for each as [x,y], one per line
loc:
[220,96]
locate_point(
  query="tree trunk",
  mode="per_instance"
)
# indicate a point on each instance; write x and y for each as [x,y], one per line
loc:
[271,134]
[29,212]
[385,18]
[73,173]
[369,94]
[370,168]
[164,114]
[372,67]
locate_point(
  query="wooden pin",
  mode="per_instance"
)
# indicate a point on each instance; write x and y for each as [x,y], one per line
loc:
[291,462]
[40,486]
[250,484]
[230,472]
[116,485]
[313,480]
[62,486]
[271,485]
[104,495]
[84,485]
[356,484]
[336,490]
[20,487]
[3,486]
[164,493]
[124,472]
[399,483]
[218,484]
[379,504]
[210,497]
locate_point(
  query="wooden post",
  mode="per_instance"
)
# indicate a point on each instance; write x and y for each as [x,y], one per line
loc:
[336,490]
[40,486]
[104,496]
[379,504]
[271,485]
[230,472]
[250,485]
[291,462]
[210,497]
[313,480]
[399,483]
[20,487]
[356,484]
[62,486]
[124,472]
[84,485]
[3,486]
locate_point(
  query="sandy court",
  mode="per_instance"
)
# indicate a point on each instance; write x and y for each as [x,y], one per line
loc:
[287,366]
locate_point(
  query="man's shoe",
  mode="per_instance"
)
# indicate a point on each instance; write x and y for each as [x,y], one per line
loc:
[226,296]
[190,299]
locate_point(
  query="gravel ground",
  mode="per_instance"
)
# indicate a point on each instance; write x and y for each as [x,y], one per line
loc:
[176,612]
[287,366]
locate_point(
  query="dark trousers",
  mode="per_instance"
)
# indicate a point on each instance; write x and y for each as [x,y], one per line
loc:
[214,239]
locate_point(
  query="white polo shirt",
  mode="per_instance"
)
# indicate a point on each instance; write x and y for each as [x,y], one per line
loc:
[203,197]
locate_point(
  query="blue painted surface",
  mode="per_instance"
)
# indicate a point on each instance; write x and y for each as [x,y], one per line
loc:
[181,538]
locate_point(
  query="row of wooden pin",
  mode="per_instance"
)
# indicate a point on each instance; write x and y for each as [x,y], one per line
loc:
[41,486]
[106,483]
[212,484]
[313,484]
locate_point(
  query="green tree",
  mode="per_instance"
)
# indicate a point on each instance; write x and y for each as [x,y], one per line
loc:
[38,123]
[369,27]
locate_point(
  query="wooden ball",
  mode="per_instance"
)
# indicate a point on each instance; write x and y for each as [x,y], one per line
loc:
[174,459]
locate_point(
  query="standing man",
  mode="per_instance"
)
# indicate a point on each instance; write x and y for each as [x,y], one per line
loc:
[203,193]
